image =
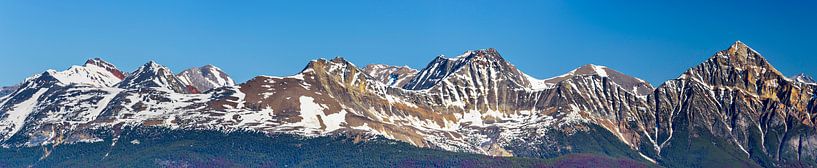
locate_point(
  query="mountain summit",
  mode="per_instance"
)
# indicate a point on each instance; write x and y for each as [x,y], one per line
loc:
[95,72]
[205,78]
[803,78]
[476,67]
[153,75]
[635,85]
[108,66]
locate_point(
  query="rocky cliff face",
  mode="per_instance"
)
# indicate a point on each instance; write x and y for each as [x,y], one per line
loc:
[732,108]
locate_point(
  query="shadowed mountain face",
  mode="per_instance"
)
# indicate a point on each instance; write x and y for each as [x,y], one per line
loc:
[732,108]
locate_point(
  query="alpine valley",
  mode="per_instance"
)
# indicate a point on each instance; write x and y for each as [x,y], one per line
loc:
[734,109]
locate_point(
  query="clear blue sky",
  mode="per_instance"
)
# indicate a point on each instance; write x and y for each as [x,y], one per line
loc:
[655,41]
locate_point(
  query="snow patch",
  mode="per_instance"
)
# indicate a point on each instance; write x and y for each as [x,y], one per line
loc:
[310,111]
[16,117]
[600,70]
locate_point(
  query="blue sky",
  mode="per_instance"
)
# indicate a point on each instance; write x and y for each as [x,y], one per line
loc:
[655,41]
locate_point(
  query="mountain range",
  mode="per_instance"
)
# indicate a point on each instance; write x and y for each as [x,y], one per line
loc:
[733,109]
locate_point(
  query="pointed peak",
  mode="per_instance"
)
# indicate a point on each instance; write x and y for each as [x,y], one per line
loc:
[152,65]
[741,56]
[339,59]
[313,63]
[95,72]
[98,62]
[591,69]
[488,54]
[329,65]
[482,61]
[204,78]
[489,50]
[106,65]
[802,77]
[441,58]
[154,75]
[739,44]
[584,70]
[627,82]
[739,49]
[208,67]
[151,62]
[594,66]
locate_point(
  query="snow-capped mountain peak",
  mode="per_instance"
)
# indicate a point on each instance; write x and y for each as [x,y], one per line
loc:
[95,72]
[154,75]
[205,78]
[634,85]
[483,63]
[108,66]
